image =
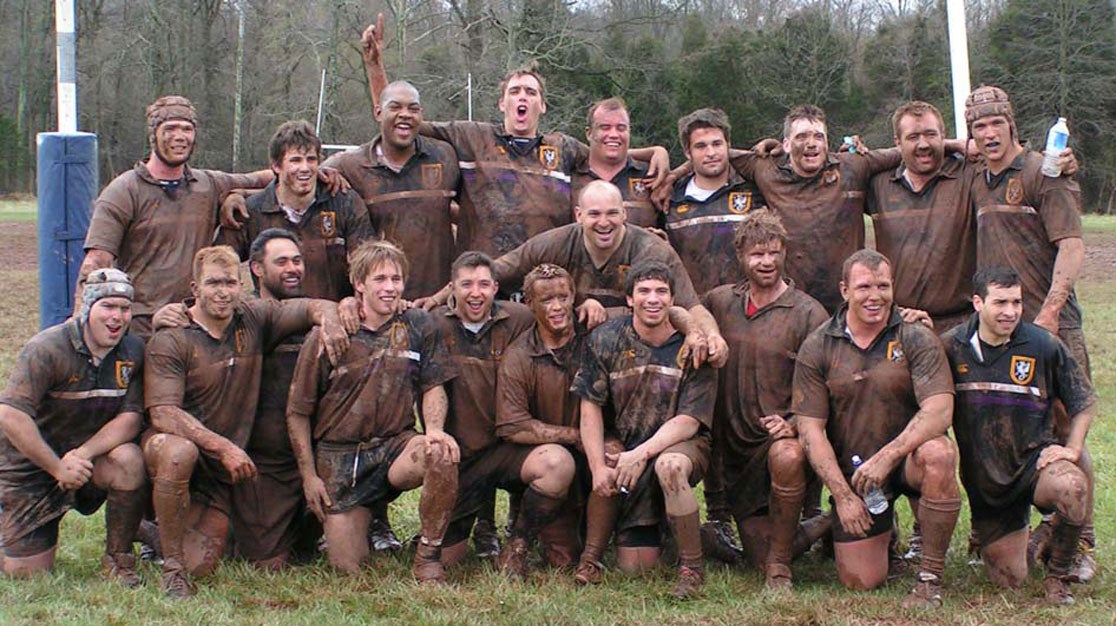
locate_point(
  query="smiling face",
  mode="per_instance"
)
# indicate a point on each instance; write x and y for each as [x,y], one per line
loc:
[1000,312]
[297,171]
[108,321]
[474,290]
[609,136]
[380,292]
[807,144]
[650,302]
[174,142]
[869,294]
[217,290]
[281,270]
[551,300]
[763,263]
[399,115]
[921,142]
[522,104]
[601,213]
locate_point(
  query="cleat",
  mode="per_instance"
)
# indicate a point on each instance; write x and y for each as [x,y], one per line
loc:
[1084,565]
[121,567]
[588,573]
[718,541]
[513,559]
[927,592]
[176,583]
[427,567]
[914,545]
[777,577]
[1057,591]
[381,536]
[689,584]
[486,542]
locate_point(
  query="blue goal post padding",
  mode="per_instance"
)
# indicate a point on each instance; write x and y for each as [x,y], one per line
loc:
[67,185]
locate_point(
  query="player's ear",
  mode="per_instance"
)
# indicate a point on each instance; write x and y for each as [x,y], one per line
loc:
[978,303]
[844,290]
[577,213]
[256,268]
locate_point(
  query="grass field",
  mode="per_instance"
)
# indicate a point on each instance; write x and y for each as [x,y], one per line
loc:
[385,593]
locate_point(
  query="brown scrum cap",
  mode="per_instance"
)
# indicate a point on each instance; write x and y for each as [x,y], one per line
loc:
[169,108]
[988,100]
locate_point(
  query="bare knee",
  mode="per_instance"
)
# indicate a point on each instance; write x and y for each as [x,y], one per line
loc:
[673,471]
[1009,573]
[171,457]
[1071,488]
[937,456]
[786,461]
[860,580]
[551,470]
[121,468]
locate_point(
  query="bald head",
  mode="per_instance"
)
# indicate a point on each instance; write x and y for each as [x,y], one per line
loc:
[600,211]
[399,88]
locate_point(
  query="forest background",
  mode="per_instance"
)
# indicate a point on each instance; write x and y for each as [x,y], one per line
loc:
[858,59]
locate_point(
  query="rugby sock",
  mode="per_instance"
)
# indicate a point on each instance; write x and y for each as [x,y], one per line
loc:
[809,531]
[123,512]
[536,511]
[600,514]
[687,534]
[1063,545]
[439,493]
[937,519]
[172,501]
[785,507]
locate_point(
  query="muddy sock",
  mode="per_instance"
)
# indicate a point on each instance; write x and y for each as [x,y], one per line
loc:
[535,512]
[123,513]
[379,511]
[809,531]
[937,519]
[716,505]
[172,500]
[811,504]
[600,515]
[1089,534]
[1063,545]
[687,534]
[784,509]
[439,493]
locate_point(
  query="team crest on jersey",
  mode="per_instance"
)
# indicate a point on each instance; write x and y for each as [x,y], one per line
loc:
[622,269]
[398,336]
[740,202]
[329,224]
[1022,369]
[636,189]
[682,208]
[832,176]
[1014,191]
[894,351]
[432,176]
[548,156]
[962,368]
[124,371]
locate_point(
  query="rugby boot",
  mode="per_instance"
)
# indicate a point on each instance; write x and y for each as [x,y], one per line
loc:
[777,577]
[513,558]
[1084,565]
[927,592]
[381,536]
[176,582]
[718,541]
[427,567]
[914,544]
[486,542]
[148,536]
[589,572]
[810,531]
[1056,591]
[690,581]
[122,567]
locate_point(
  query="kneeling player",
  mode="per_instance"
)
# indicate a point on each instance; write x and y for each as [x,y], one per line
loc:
[1009,373]
[363,448]
[661,409]
[868,384]
[75,390]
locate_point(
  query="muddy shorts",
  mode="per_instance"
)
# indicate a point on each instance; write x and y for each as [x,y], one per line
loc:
[643,511]
[32,509]
[884,522]
[357,474]
[995,518]
[269,513]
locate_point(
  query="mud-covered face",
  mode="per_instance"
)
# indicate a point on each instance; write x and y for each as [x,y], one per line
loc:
[869,293]
[474,290]
[218,290]
[174,142]
[763,263]
[921,143]
[552,301]
[380,292]
[992,134]
[808,146]
[297,171]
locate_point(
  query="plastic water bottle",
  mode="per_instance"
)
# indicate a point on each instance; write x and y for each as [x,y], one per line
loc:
[851,143]
[875,500]
[1056,141]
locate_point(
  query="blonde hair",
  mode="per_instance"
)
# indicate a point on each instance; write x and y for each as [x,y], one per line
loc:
[373,252]
[221,256]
